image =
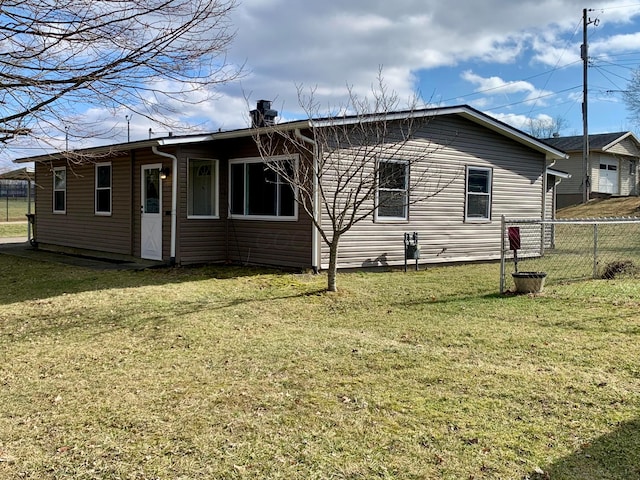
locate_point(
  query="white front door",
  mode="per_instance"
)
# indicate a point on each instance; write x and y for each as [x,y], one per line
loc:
[608,182]
[151,213]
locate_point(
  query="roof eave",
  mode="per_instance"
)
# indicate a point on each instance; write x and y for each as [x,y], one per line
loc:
[166,142]
[116,148]
[619,139]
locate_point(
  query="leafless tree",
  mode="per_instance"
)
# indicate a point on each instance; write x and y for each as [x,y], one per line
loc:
[143,55]
[546,127]
[346,169]
[631,96]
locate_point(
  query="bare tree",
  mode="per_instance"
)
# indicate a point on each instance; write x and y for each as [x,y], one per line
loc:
[139,54]
[352,166]
[631,96]
[547,127]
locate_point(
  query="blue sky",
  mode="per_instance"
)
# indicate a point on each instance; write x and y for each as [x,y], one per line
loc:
[514,60]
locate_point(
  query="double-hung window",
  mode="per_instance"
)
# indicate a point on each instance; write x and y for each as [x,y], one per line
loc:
[258,191]
[393,189]
[478,207]
[60,190]
[203,188]
[103,189]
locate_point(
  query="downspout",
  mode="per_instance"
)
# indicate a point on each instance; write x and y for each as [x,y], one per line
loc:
[544,203]
[544,187]
[315,241]
[174,198]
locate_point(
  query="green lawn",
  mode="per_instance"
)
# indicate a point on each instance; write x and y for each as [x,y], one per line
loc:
[236,373]
[13,230]
[13,209]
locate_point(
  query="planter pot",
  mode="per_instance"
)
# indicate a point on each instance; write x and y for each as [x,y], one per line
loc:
[529,282]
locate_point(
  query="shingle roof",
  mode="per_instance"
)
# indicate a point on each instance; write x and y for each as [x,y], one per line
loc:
[596,142]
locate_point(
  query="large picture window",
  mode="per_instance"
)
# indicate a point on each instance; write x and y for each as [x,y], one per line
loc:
[478,194]
[258,191]
[60,190]
[103,189]
[393,183]
[203,188]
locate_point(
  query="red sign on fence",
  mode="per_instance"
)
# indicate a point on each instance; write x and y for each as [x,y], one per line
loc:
[514,238]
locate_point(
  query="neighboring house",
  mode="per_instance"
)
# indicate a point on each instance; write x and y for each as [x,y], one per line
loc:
[209,198]
[613,166]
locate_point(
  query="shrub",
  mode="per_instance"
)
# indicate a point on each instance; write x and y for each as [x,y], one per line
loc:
[615,269]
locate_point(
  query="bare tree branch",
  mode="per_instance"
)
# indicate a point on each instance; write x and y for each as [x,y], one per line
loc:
[55,54]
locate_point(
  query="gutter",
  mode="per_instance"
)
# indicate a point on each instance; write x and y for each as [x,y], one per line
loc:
[315,233]
[174,198]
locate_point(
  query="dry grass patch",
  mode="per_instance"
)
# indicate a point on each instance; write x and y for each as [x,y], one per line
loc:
[600,207]
[229,373]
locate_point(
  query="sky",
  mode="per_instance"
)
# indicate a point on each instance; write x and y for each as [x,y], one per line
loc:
[515,60]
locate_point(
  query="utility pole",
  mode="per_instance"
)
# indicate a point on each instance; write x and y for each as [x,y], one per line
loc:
[584,54]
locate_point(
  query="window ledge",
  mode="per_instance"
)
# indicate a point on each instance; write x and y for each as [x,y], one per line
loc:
[477,220]
[263,218]
[391,220]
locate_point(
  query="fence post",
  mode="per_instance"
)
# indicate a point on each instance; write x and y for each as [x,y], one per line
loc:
[595,250]
[502,260]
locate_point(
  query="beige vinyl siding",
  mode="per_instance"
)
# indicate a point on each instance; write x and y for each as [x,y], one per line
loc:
[444,235]
[572,165]
[626,147]
[569,191]
[80,227]
[594,160]
[628,176]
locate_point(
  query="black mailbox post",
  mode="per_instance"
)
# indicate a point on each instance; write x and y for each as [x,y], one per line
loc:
[411,248]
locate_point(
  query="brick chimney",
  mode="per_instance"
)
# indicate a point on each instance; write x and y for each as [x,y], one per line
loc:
[263,115]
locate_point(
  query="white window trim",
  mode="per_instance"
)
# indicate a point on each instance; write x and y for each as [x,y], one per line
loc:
[216,164]
[468,219]
[272,218]
[53,206]
[383,218]
[95,195]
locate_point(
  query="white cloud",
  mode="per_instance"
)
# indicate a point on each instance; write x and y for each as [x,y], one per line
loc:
[515,91]
[419,43]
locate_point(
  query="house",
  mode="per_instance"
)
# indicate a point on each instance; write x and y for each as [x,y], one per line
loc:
[612,171]
[209,198]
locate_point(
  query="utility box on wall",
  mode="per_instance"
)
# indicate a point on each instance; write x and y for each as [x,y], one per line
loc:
[411,248]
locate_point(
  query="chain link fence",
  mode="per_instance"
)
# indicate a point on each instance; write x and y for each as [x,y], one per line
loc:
[570,250]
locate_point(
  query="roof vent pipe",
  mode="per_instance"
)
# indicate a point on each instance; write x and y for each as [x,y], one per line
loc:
[263,115]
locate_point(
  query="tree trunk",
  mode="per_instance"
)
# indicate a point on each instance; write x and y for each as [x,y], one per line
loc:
[333,265]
